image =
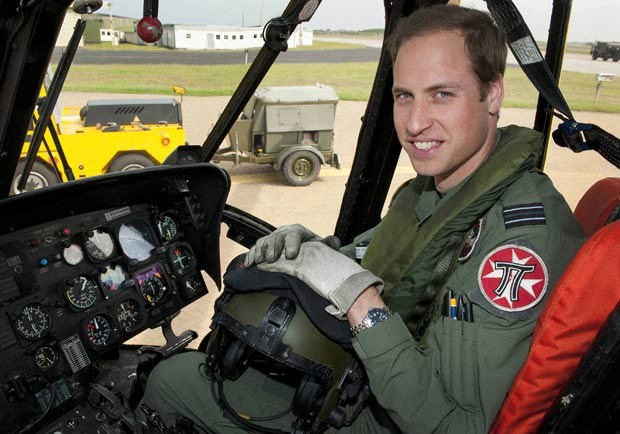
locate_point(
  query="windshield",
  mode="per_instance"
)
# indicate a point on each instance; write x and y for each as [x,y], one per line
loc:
[290,152]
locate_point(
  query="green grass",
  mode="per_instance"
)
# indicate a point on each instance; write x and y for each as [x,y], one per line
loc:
[352,81]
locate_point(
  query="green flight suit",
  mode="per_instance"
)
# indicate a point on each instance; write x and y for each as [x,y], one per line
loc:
[453,378]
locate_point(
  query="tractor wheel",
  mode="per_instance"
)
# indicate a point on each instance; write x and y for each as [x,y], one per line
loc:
[301,168]
[40,176]
[130,162]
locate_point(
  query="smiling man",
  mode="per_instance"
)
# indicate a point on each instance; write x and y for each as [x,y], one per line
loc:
[444,114]
[443,305]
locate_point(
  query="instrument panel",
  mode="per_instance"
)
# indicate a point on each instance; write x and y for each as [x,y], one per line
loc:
[107,260]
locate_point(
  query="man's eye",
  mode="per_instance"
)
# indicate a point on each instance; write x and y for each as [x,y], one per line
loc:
[403,96]
[442,94]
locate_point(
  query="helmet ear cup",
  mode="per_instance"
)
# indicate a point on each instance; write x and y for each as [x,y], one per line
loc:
[309,398]
[234,359]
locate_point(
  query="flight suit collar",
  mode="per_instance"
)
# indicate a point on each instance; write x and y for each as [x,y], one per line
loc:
[431,200]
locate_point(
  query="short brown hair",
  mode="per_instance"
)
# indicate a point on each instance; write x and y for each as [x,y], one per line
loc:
[484,41]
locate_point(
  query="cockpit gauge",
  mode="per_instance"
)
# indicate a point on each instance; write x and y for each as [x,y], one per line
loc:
[99,331]
[168,228]
[136,240]
[128,315]
[192,286]
[181,259]
[151,283]
[45,357]
[99,245]
[113,278]
[81,292]
[152,289]
[73,254]
[33,321]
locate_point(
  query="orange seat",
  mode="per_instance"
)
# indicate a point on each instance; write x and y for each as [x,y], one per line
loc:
[597,204]
[582,300]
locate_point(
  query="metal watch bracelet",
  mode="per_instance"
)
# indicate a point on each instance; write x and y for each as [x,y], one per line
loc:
[374,316]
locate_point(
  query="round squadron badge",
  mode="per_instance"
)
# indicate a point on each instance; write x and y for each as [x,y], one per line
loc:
[513,278]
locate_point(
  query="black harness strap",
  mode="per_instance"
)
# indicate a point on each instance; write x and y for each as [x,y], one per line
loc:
[570,133]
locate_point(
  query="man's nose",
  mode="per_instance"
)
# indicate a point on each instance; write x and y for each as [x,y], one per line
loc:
[419,118]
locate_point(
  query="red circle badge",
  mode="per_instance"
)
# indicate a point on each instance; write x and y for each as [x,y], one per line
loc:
[513,278]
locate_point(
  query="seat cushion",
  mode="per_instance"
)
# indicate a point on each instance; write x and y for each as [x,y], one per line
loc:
[597,204]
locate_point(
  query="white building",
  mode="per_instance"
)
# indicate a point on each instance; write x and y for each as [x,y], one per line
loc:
[193,37]
[66,31]
[110,35]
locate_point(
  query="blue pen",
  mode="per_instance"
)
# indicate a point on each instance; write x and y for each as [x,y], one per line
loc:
[453,308]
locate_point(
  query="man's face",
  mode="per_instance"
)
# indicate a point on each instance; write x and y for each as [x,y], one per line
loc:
[441,122]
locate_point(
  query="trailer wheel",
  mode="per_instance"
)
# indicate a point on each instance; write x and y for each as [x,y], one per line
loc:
[40,176]
[301,168]
[130,162]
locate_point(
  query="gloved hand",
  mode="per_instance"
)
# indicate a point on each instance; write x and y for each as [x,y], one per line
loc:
[287,239]
[329,273]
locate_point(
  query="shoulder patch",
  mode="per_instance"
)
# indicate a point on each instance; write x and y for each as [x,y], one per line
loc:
[513,278]
[524,215]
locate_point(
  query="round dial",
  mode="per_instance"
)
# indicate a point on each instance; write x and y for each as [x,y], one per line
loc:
[99,331]
[82,292]
[45,357]
[99,245]
[128,314]
[136,240]
[181,259]
[73,254]
[113,278]
[192,286]
[152,289]
[33,321]
[168,228]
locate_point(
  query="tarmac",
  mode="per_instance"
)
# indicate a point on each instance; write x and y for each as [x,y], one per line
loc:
[261,191]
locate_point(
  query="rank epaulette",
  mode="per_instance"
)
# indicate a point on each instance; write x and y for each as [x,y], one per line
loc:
[524,215]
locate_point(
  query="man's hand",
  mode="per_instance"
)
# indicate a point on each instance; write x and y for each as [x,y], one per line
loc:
[329,273]
[288,239]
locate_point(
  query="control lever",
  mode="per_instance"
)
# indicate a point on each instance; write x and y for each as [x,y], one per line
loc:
[173,344]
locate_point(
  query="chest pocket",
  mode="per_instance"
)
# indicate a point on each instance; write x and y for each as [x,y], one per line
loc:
[459,362]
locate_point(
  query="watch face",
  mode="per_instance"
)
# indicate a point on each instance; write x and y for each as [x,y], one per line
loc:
[376,315]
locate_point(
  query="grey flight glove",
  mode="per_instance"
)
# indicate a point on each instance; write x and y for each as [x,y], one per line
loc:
[287,239]
[329,273]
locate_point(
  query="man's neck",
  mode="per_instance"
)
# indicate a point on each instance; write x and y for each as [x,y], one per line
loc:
[444,187]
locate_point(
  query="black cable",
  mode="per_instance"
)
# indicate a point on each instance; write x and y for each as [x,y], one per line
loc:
[34,423]
[237,418]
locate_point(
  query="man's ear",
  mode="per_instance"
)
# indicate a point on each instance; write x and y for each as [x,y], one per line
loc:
[495,96]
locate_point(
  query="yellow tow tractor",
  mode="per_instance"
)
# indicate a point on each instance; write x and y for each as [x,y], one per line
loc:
[104,136]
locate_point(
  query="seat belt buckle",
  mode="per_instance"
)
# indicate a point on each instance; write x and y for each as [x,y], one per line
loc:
[569,134]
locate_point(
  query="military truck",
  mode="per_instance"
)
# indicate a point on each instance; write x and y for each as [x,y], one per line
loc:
[289,127]
[606,50]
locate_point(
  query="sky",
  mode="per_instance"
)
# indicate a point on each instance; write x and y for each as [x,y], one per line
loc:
[591,20]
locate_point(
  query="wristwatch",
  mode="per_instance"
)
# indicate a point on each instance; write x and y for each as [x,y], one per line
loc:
[374,316]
